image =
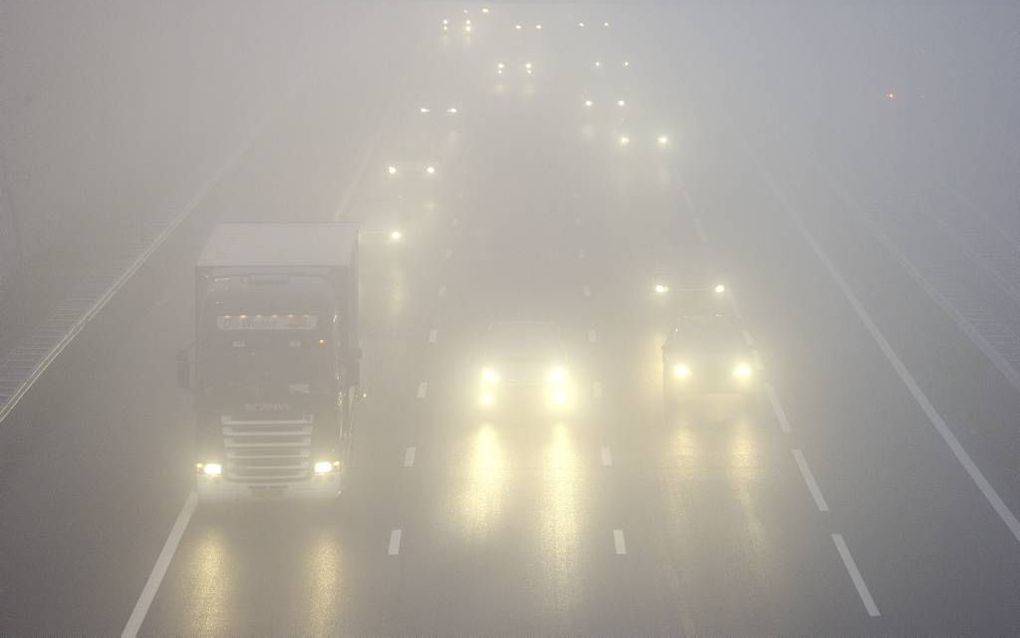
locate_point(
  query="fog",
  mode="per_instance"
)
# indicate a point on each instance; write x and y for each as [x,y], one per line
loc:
[403,318]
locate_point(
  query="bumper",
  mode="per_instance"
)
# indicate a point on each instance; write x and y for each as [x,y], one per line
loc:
[219,490]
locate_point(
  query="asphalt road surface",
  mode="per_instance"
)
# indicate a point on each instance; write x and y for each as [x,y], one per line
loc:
[868,487]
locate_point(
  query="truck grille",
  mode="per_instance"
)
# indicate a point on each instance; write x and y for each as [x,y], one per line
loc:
[268,451]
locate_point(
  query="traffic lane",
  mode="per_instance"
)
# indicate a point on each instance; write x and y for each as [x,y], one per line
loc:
[970,393]
[143,437]
[83,458]
[923,533]
[726,507]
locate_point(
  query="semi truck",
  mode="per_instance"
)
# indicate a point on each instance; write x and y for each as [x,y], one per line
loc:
[276,360]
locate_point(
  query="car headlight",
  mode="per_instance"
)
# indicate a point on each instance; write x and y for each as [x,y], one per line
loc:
[742,371]
[212,470]
[490,376]
[719,289]
[681,371]
[661,289]
[325,467]
[556,375]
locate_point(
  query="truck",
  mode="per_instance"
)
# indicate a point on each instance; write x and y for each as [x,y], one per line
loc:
[276,360]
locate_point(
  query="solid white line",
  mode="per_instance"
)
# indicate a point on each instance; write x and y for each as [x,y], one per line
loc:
[607,457]
[596,389]
[777,407]
[619,542]
[409,457]
[855,575]
[137,617]
[423,389]
[433,335]
[442,290]
[394,547]
[906,377]
[586,290]
[592,337]
[748,339]
[809,478]
[702,236]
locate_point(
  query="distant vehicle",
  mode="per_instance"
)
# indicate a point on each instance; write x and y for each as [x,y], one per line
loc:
[276,359]
[705,354]
[524,361]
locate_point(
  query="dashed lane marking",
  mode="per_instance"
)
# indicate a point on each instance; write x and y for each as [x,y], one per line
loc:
[777,408]
[607,457]
[433,335]
[423,389]
[855,575]
[409,457]
[702,236]
[394,547]
[619,542]
[592,336]
[809,478]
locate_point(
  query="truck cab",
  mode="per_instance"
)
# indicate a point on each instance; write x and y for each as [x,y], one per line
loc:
[276,360]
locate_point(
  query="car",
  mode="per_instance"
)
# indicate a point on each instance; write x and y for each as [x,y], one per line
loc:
[524,362]
[705,354]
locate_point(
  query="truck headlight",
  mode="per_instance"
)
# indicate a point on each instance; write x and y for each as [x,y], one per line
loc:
[681,371]
[325,467]
[556,375]
[742,371]
[490,376]
[212,470]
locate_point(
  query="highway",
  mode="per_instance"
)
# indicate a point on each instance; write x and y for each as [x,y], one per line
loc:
[868,488]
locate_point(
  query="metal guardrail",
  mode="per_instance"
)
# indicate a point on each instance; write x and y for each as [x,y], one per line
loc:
[22,366]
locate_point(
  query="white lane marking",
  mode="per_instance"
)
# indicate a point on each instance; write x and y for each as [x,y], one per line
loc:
[735,308]
[904,374]
[586,290]
[409,457]
[777,407]
[809,478]
[166,555]
[448,253]
[433,335]
[756,356]
[442,290]
[607,457]
[748,339]
[596,389]
[619,542]
[855,575]
[394,547]
[592,337]
[702,236]
[423,389]
[580,253]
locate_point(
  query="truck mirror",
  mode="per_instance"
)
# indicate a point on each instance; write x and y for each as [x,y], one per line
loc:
[183,370]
